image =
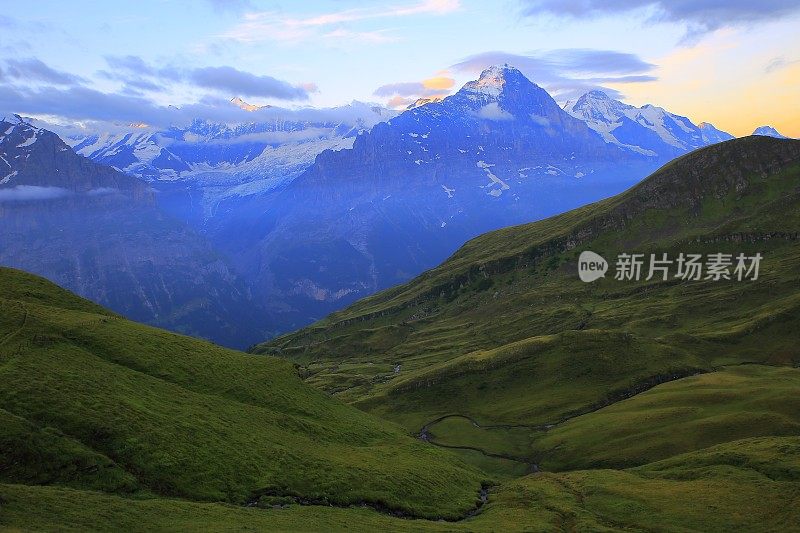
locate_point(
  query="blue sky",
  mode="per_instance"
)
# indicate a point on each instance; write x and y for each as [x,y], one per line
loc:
[107,60]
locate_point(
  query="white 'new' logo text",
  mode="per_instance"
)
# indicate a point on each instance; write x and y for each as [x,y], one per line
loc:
[591,266]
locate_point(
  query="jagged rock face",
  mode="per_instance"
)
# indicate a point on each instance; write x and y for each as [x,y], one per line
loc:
[33,156]
[100,234]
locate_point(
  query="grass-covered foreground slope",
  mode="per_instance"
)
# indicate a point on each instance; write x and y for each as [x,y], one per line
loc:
[747,485]
[684,415]
[89,400]
[506,334]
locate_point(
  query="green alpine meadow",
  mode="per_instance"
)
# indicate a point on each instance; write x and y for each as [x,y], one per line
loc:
[399,266]
[495,392]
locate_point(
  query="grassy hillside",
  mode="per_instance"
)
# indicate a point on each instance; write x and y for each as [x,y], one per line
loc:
[688,414]
[748,485]
[504,333]
[564,406]
[91,401]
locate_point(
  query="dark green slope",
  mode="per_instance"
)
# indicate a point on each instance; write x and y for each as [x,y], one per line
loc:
[505,334]
[748,485]
[92,401]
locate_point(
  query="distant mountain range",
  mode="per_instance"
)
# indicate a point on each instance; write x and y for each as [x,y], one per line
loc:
[309,210]
[411,190]
[223,159]
[647,130]
[101,233]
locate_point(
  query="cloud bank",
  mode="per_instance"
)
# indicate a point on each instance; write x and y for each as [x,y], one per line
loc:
[137,73]
[27,193]
[568,73]
[32,69]
[112,112]
[699,16]
[256,27]
[29,86]
[238,82]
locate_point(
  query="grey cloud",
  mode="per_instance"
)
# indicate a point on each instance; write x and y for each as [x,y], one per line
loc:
[131,64]
[778,63]
[132,69]
[130,83]
[84,104]
[78,103]
[596,61]
[239,82]
[32,193]
[494,112]
[15,47]
[568,73]
[7,22]
[699,15]
[554,63]
[32,69]
[26,193]
[542,121]
[143,85]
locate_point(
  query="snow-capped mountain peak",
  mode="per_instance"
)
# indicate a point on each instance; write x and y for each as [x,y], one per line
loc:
[648,130]
[768,131]
[502,93]
[15,119]
[713,135]
[17,135]
[494,80]
[596,94]
[19,124]
[598,106]
[241,104]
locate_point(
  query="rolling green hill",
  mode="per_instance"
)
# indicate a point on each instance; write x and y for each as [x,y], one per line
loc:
[748,485]
[92,401]
[505,336]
